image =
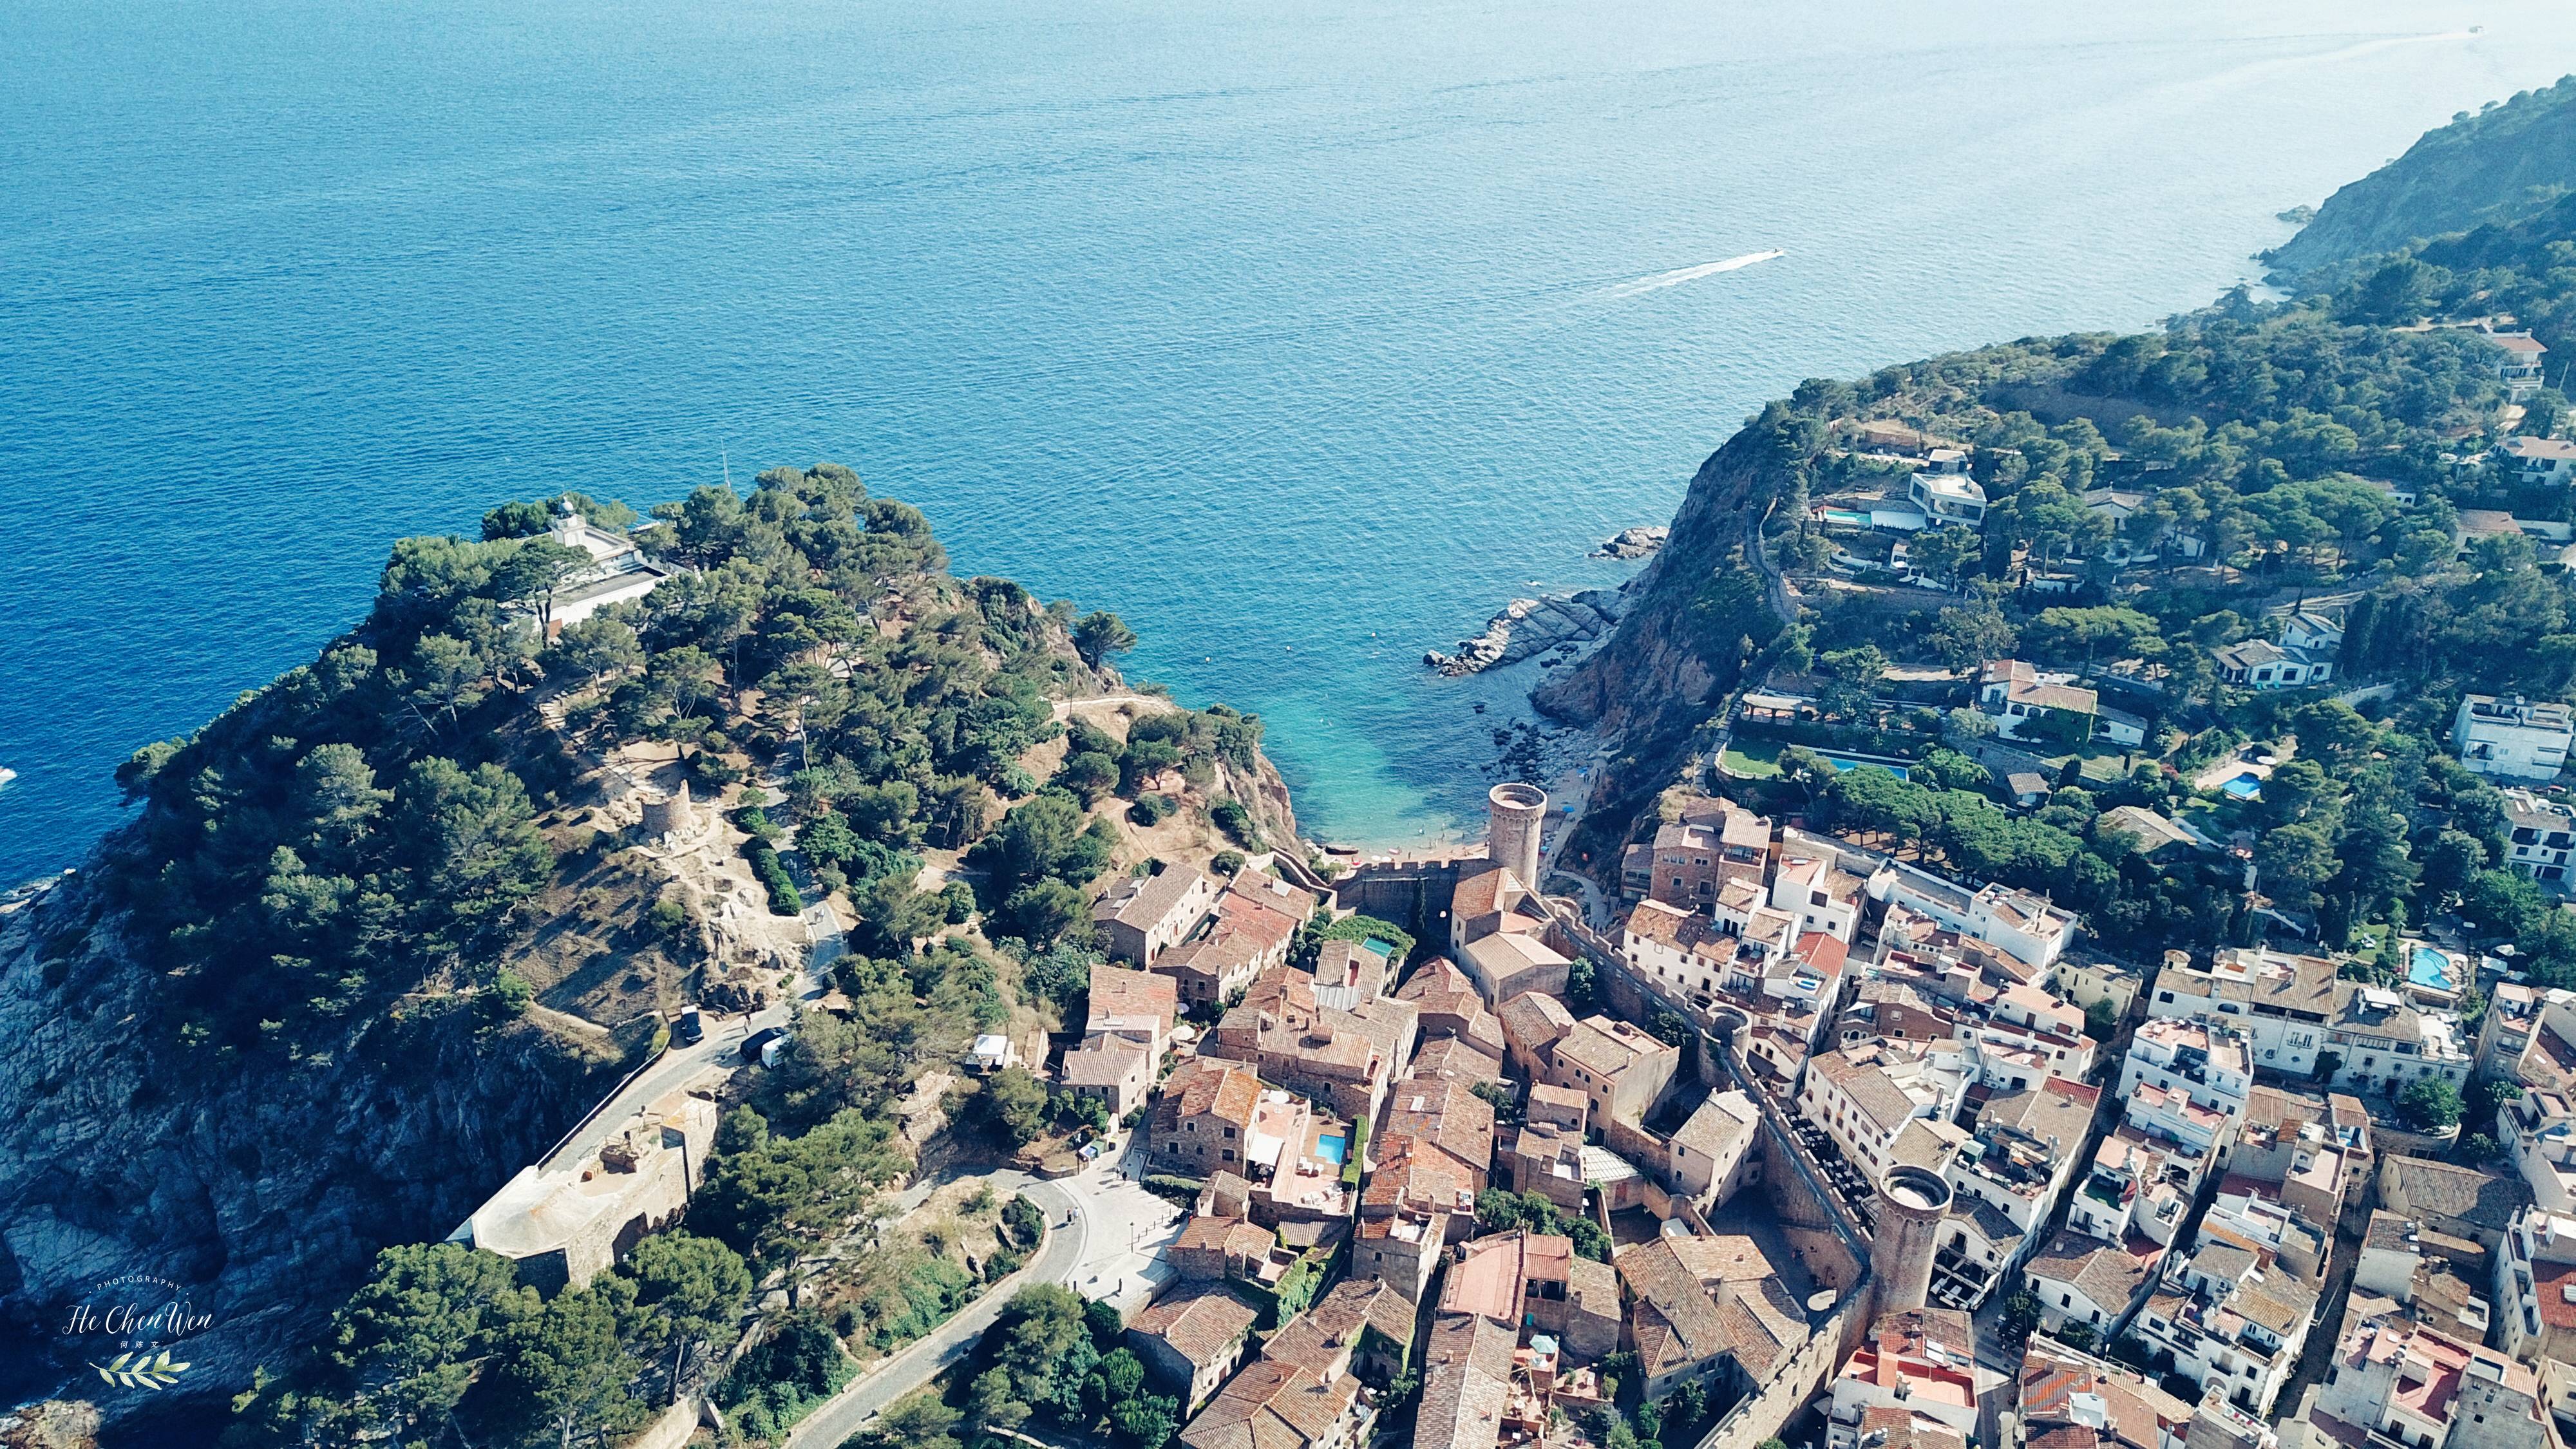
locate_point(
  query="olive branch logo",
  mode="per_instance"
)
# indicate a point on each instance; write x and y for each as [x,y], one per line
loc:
[141,1370]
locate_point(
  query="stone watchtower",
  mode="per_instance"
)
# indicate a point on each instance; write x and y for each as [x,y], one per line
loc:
[669,815]
[1909,1208]
[1513,814]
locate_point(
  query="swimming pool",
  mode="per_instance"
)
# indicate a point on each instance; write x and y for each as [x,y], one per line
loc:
[1849,518]
[1334,1149]
[1841,764]
[2248,786]
[2426,966]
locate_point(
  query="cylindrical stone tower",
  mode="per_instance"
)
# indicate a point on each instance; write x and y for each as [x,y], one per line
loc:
[670,815]
[1910,1203]
[1513,814]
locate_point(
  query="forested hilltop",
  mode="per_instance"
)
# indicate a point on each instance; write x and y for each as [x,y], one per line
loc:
[2502,164]
[377,936]
[2344,479]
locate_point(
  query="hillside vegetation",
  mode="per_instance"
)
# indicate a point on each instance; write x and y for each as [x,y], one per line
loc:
[2498,165]
[2153,500]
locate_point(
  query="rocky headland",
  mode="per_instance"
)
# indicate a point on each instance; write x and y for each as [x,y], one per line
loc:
[1526,628]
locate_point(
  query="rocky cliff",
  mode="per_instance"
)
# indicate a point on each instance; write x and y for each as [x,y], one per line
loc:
[2494,166]
[1698,615]
[260,1190]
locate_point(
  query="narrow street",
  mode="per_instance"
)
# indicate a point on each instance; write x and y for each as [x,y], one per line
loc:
[2327,1331]
[1992,1352]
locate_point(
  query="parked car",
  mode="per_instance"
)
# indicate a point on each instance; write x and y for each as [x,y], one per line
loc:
[764,1045]
[691,1028]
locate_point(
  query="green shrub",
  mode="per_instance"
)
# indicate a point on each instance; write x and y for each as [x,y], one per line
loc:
[1229,816]
[1178,1189]
[783,897]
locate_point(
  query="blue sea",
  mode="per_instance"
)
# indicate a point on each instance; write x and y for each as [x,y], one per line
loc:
[1302,334]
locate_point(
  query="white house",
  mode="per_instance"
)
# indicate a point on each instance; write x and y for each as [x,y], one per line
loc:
[2512,739]
[2260,664]
[2537,460]
[2085,1280]
[2233,1318]
[1813,887]
[2543,831]
[1948,497]
[2203,1059]
[2016,922]
[2020,699]
[1863,1096]
[618,571]
[2520,364]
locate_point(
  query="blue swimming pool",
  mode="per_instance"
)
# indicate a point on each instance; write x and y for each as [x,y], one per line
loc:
[2428,967]
[1334,1148]
[1842,764]
[2248,786]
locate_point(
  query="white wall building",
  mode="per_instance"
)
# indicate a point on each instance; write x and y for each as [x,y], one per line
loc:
[2512,739]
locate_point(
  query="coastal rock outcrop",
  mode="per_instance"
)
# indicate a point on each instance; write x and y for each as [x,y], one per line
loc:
[1640,542]
[1528,627]
[1703,607]
[257,1189]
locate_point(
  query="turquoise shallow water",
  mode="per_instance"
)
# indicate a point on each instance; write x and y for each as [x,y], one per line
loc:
[1303,335]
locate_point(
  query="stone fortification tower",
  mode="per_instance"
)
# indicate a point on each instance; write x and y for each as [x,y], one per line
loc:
[1513,814]
[1910,1203]
[669,815]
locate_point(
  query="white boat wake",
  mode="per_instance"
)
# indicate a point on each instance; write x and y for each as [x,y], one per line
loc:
[1679,275]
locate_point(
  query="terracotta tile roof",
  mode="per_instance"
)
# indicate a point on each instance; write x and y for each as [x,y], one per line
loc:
[1824,954]
[1117,992]
[1672,927]
[2444,1190]
[1286,1399]
[1466,1382]
[1672,1318]
[2134,1406]
[1104,1063]
[1404,1176]
[1723,1258]
[1606,1047]
[1224,1235]
[1455,1059]
[1202,1322]
[2110,1276]
[1718,1125]
[1439,986]
[1533,1020]
[1254,926]
[1261,888]
[1444,1116]
[1487,1274]
[1208,1087]
[1484,893]
[1151,900]
[1355,1304]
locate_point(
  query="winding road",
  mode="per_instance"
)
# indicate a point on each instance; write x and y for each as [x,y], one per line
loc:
[1102,1228]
